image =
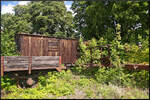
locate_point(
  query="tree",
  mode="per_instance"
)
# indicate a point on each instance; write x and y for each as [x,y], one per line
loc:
[7,22]
[98,19]
[93,19]
[46,17]
[133,18]
[11,22]
[42,17]
[23,23]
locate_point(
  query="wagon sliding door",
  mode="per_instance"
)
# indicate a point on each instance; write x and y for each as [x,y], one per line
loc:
[41,46]
[53,46]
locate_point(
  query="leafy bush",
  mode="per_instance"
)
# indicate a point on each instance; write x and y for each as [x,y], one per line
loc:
[139,78]
[123,77]
[116,49]
[7,83]
[134,54]
[112,75]
[54,83]
[8,46]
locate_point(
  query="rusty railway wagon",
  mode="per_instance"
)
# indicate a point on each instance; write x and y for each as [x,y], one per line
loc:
[37,45]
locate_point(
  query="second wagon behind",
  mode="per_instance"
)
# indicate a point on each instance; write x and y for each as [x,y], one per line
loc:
[37,45]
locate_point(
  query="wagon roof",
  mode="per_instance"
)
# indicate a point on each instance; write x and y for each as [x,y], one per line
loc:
[37,35]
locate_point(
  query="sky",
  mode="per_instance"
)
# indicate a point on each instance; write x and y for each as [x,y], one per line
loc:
[7,6]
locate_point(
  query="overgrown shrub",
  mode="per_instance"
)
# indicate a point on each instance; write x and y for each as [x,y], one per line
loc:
[56,83]
[139,78]
[116,49]
[123,77]
[8,45]
[7,83]
[112,75]
[135,54]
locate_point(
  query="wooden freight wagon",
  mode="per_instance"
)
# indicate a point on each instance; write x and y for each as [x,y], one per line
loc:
[25,69]
[37,45]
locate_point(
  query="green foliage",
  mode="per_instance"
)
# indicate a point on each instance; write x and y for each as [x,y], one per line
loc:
[44,17]
[66,83]
[83,82]
[98,19]
[7,84]
[116,49]
[139,78]
[15,23]
[112,76]
[117,76]
[85,55]
[130,15]
[89,93]
[122,77]
[135,54]
[53,85]
[8,46]
[92,19]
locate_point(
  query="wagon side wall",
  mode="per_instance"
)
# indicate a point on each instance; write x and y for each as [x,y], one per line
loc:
[32,45]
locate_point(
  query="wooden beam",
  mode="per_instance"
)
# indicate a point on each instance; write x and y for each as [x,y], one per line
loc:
[2,66]
[30,62]
[58,69]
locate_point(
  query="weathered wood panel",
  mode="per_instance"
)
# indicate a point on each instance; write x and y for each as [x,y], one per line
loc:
[45,61]
[45,47]
[53,47]
[68,50]
[45,58]
[25,46]
[17,63]
[56,43]
[74,51]
[14,66]
[14,58]
[62,50]
[35,45]
[44,65]
[2,66]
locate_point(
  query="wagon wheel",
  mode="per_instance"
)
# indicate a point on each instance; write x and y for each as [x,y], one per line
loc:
[27,82]
[105,61]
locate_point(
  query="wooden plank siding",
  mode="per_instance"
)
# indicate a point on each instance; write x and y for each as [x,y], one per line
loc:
[25,42]
[18,63]
[35,45]
[15,63]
